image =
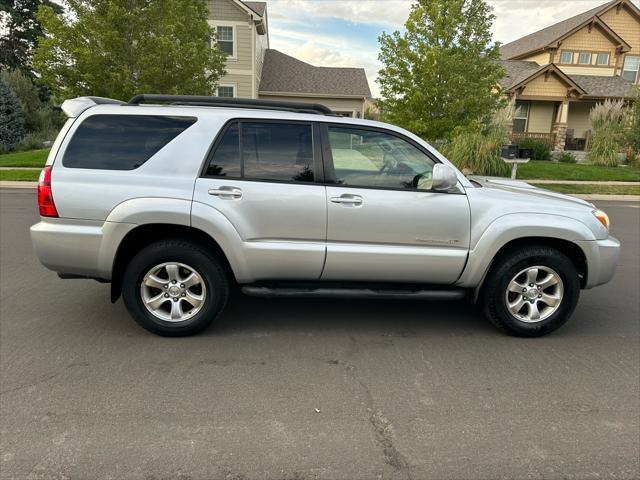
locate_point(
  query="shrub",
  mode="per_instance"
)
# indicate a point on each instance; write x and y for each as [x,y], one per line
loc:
[567,157]
[540,150]
[477,148]
[607,132]
[11,119]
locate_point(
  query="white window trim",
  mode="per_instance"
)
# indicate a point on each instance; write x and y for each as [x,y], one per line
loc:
[585,53]
[637,71]
[232,85]
[569,62]
[526,119]
[234,29]
[603,64]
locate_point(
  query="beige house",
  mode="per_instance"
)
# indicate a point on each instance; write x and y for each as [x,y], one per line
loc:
[256,71]
[556,75]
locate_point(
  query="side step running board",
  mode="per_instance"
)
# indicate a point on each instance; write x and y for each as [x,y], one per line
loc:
[453,294]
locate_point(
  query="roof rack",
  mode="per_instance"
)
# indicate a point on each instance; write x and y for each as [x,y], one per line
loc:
[226,102]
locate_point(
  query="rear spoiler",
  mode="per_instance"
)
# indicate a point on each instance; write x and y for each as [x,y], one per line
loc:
[74,107]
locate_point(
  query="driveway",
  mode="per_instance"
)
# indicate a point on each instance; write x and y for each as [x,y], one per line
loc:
[303,389]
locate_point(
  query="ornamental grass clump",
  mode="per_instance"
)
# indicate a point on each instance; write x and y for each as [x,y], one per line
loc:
[477,148]
[608,121]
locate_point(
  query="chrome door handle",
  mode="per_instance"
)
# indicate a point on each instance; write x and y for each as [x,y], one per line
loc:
[355,200]
[226,192]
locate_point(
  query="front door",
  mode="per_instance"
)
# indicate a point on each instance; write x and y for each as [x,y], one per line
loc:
[261,176]
[384,221]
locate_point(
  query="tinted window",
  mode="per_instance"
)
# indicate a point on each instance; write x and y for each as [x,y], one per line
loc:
[270,151]
[369,158]
[121,142]
[226,159]
[277,151]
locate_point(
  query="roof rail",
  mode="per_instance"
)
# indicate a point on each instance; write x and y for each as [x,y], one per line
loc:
[227,102]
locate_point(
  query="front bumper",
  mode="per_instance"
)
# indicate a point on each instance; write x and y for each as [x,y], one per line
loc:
[78,247]
[602,259]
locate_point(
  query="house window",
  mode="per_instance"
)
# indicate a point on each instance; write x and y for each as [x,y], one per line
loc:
[631,67]
[566,57]
[228,91]
[584,58]
[225,40]
[343,114]
[521,117]
[602,59]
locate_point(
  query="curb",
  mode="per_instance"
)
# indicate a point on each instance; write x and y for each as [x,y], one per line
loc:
[15,184]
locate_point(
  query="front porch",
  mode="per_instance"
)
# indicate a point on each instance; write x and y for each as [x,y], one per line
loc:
[563,124]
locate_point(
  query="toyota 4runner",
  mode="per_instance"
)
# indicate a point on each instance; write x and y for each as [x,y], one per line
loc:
[174,199]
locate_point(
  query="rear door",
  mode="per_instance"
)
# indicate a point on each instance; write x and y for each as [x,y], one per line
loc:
[265,177]
[384,221]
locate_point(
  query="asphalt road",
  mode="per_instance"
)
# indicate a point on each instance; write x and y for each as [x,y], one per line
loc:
[410,390]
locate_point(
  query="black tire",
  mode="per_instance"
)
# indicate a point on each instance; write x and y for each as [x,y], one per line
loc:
[179,251]
[509,265]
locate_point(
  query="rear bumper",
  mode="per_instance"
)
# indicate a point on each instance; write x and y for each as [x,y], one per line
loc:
[78,247]
[602,260]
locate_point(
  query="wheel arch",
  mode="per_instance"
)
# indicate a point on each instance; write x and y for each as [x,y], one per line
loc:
[143,235]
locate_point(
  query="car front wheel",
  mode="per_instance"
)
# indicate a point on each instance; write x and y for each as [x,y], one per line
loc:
[531,291]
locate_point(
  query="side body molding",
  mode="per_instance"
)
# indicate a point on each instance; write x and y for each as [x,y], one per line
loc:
[485,245]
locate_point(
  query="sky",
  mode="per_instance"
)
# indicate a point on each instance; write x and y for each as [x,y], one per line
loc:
[344,33]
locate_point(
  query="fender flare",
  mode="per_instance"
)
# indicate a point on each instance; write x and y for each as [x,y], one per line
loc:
[517,226]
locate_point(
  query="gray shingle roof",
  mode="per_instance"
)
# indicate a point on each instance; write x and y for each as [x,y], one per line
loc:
[258,7]
[541,38]
[282,73]
[517,71]
[604,87]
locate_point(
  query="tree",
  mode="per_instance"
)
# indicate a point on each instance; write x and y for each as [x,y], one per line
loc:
[118,48]
[38,115]
[443,72]
[21,31]
[11,121]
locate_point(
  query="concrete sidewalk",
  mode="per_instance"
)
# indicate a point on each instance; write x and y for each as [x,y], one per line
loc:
[577,182]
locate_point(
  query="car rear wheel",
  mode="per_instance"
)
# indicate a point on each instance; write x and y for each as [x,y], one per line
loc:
[174,288]
[531,291]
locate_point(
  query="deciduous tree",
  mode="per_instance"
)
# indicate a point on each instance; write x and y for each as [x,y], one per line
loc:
[118,48]
[443,71]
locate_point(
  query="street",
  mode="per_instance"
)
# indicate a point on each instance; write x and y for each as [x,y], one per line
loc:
[305,389]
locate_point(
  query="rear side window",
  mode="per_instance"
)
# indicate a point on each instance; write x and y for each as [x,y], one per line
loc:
[264,151]
[121,142]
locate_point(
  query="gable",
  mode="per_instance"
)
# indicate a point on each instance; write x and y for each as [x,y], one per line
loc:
[587,40]
[550,86]
[226,10]
[626,24]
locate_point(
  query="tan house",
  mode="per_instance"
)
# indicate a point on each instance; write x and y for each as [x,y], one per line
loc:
[556,75]
[256,71]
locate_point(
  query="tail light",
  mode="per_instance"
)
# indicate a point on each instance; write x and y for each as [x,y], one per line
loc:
[45,197]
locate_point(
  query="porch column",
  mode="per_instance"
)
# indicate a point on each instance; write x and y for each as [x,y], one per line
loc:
[560,126]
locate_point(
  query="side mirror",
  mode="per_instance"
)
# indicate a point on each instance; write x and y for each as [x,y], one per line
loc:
[444,177]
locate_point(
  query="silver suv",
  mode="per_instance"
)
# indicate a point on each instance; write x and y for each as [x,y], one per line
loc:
[176,199]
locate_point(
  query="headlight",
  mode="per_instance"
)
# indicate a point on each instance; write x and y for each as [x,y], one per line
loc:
[603,218]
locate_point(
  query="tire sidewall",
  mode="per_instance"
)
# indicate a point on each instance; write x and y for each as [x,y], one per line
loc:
[206,266]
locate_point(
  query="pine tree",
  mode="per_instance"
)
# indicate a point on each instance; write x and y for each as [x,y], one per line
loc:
[11,120]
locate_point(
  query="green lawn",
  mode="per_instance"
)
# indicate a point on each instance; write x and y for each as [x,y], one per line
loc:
[593,189]
[20,175]
[32,158]
[540,170]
